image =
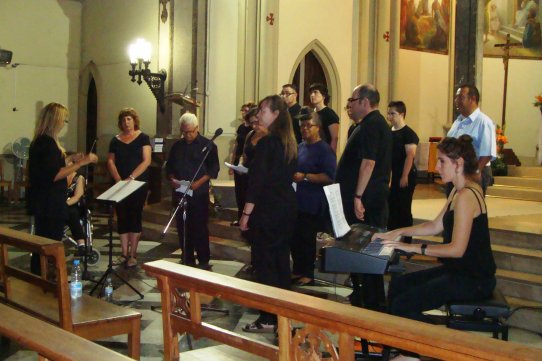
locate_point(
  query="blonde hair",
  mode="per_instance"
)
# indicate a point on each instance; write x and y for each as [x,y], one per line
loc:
[50,122]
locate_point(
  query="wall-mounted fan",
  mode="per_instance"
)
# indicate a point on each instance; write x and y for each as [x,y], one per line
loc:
[20,148]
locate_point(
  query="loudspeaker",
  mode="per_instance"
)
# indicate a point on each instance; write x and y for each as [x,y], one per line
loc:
[5,57]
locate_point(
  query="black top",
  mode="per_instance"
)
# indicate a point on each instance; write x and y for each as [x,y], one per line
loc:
[327,117]
[184,159]
[371,139]
[129,156]
[241,135]
[477,261]
[249,150]
[401,137]
[294,110]
[270,189]
[45,196]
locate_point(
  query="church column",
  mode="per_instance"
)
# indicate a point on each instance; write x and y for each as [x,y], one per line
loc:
[165,42]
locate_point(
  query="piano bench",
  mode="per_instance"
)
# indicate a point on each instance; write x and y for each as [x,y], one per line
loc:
[484,315]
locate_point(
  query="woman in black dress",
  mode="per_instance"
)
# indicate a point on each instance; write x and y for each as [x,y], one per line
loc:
[128,159]
[47,172]
[271,206]
[240,180]
[403,170]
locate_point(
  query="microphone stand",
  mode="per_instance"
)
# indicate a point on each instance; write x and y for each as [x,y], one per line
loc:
[184,204]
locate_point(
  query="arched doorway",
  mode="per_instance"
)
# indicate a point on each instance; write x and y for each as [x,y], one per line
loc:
[309,71]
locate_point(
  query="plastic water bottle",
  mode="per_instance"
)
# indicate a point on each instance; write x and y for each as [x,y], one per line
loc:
[76,286]
[108,290]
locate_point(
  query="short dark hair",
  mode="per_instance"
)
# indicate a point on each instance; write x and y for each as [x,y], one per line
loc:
[322,89]
[293,86]
[399,106]
[473,91]
[370,92]
[251,113]
[128,112]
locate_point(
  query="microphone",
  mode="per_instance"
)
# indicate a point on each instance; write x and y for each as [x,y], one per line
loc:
[217,134]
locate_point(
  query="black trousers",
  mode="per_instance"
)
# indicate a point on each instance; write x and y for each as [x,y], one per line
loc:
[48,226]
[197,232]
[303,245]
[74,222]
[241,185]
[368,289]
[400,205]
[413,293]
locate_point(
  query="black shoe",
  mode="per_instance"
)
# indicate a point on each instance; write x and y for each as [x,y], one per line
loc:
[81,250]
[205,266]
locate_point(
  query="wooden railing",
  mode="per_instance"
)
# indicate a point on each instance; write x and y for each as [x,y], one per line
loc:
[182,288]
[50,342]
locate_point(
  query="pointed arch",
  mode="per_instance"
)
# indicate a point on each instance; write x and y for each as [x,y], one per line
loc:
[330,70]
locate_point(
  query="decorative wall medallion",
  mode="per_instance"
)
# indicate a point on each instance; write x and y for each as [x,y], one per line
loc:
[270,19]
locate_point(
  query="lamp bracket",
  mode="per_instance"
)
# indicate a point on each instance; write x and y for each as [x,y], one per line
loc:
[156,83]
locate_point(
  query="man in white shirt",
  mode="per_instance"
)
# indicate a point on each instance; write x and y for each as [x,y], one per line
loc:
[479,126]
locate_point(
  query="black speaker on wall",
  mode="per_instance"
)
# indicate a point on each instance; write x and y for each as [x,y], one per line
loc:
[5,57]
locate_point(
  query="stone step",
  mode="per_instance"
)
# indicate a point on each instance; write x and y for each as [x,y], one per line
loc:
[520,285]
[515,239]
[527,315]
[524,182]
[526,194]
[532,172]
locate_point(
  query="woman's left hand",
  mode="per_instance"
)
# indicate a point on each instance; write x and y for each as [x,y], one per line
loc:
[243,222]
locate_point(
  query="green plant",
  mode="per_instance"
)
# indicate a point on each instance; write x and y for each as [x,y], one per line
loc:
[499,167]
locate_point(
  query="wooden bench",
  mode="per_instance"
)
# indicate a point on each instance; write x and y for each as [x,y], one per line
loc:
[50,301]
[180,315]
[49,341]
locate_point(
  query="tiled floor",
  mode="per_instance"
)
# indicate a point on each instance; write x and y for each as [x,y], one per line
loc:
[506,213]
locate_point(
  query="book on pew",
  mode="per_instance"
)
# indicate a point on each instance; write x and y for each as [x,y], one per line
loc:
[120,190]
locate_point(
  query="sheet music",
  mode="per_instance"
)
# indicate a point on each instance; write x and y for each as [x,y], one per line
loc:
[120,191]
[182,185]
[241,169]
[336,211]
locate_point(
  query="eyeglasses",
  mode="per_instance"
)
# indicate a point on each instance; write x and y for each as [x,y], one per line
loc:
[307,126]
[285,94]
[350,100]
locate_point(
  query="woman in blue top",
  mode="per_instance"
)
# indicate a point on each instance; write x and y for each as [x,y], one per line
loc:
[316,164]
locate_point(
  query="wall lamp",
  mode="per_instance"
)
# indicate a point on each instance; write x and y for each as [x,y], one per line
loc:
[140,56]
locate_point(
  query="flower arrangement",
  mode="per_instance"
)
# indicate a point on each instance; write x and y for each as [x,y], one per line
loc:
[501,138]
[538,102]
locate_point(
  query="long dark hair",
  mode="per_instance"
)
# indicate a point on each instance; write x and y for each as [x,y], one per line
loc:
[282,126]
[455,148]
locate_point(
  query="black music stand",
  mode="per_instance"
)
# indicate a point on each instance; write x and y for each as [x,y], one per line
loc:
[110,197]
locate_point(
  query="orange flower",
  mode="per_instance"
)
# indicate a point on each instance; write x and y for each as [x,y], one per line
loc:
[498,131]
[538,102]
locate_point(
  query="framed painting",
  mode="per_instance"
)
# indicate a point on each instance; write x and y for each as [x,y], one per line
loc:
[519,18]
[425,25]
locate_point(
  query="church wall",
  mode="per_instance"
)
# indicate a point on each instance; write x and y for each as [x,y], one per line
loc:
[522,118]
[299,23]
[120,22]
[47,49]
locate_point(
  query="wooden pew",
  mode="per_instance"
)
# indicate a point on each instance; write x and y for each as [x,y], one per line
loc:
[50,301]
[51,342]
[180,316]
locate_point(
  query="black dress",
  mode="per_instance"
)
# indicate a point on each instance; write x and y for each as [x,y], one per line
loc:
[127,158]
[400,199]
[46,197]
[272,220]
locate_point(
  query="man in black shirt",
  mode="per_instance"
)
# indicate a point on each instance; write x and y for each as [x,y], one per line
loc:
[364,173]
[184,159]
[289,95]
[330,120]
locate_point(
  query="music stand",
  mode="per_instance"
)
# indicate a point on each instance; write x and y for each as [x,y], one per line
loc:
[114,195]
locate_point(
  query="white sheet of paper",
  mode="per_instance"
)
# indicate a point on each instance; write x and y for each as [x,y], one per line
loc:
[120,190]
[182,185]
[241,169]
[336,211]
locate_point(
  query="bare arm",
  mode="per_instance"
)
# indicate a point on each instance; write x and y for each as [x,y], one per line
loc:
[482,161]
[409,161]
[79,191]
[142,167]
[334,135]
[69,169]
[318,178]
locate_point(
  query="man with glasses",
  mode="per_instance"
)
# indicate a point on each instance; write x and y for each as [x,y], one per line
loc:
[363,173]
[183,161]
[289,95]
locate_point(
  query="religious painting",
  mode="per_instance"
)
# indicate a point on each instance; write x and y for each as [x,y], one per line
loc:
[519,18]
[425,25]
